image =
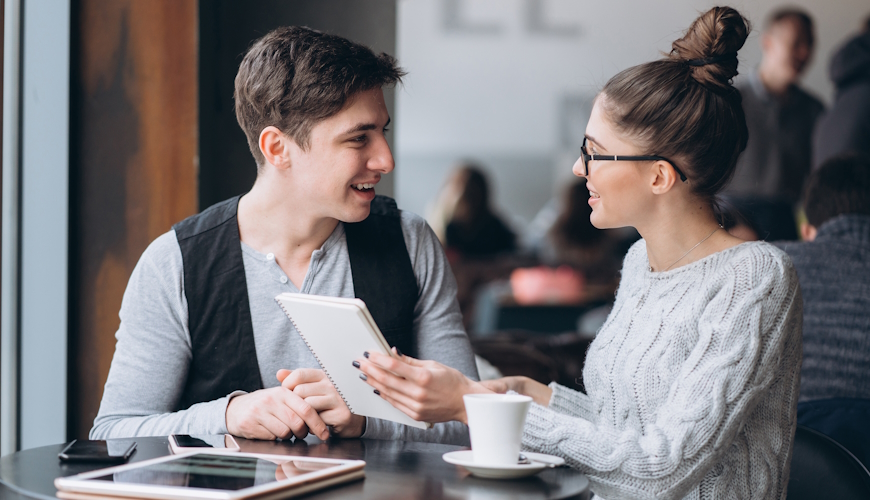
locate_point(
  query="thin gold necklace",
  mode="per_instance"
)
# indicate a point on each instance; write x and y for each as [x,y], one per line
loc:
[689,250]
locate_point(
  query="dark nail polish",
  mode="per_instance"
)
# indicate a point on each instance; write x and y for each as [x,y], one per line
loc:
[356,364]
[377,392]
[398,351]
[366,354]
[363,376]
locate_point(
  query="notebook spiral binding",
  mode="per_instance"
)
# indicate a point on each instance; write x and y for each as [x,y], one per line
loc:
[315,356]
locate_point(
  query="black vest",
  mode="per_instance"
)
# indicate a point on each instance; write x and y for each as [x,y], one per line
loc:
[219,314]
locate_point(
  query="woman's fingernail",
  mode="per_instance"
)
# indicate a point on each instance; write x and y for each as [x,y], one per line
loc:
[377,392]
[398,351]
[366,354]
[356,364]
[363,376]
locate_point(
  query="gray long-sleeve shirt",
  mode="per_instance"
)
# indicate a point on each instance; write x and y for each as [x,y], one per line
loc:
[153,350]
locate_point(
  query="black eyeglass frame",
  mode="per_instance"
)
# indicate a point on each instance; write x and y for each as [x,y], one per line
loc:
[588,157]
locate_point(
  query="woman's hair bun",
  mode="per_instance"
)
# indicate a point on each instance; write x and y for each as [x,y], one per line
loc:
[709,47]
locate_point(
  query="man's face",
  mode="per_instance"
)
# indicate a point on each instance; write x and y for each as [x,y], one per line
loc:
[787,49]
[346,157]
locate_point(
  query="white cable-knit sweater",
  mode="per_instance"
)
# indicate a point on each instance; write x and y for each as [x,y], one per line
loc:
[692,382]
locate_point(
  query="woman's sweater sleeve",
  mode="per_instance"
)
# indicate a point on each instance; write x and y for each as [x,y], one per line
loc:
[567,401]
[742,334]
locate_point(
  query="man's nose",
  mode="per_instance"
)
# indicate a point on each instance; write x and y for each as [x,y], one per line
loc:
[382,158]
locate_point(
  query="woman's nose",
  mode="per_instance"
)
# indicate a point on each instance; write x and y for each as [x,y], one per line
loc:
[579,169]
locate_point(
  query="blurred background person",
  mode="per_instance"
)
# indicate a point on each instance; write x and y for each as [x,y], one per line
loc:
[574,241]
[780,116]
[479,245]
[846,126]
[464,219]
[833,267]
[440,211]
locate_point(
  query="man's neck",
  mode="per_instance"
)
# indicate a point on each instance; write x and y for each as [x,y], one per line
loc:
[270,221]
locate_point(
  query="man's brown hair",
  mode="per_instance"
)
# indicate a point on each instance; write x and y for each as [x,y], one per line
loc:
[294,77]
[840,186]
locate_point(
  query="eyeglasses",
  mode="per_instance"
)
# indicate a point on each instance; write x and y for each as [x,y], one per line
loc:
[588,157]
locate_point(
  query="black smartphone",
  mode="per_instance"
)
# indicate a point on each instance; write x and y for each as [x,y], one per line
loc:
[186,441]
[180,443]
[96,451]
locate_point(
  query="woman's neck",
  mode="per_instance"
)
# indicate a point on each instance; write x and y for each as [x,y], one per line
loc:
[679,235]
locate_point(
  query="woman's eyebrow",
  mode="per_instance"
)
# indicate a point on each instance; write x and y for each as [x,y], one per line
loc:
[595,141]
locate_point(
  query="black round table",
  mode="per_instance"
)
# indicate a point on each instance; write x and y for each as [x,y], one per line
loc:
[394,469]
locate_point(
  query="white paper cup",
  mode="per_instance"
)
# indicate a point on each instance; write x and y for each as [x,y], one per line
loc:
[495,425]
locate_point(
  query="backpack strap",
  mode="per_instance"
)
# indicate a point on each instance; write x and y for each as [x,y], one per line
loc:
[383,276]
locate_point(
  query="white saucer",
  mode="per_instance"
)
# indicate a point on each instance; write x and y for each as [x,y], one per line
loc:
[540,462]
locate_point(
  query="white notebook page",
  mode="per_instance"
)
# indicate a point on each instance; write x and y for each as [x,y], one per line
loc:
[338,331]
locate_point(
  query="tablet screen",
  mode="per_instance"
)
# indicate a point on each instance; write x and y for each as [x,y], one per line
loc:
[216,472]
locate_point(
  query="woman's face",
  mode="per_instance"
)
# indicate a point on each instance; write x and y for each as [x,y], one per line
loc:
[618,190]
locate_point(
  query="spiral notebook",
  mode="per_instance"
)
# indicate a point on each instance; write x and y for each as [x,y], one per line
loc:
[338,331]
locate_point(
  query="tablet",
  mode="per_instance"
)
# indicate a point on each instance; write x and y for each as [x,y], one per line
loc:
[213,475]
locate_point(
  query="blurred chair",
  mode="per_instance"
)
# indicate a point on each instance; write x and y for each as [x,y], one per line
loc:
[542,357]
[568,350]
[514,359]
[845,420]
[822,468]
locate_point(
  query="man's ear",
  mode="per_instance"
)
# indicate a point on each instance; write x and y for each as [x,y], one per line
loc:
[276,147]
[664,177]
[808,231]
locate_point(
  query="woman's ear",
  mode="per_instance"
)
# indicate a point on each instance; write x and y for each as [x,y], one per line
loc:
[276,147]
[664,176]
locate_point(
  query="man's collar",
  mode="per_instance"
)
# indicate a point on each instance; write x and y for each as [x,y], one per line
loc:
[846,227]
[761,91]
[758,86]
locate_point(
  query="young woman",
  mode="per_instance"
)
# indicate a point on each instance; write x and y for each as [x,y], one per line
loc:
[693,380]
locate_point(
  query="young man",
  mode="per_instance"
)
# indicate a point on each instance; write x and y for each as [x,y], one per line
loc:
[833,266]
[202,344]
[780,117]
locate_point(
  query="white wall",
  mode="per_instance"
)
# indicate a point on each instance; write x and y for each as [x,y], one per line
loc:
[508,82]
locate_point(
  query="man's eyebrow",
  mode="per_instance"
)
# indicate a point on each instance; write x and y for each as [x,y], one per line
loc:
[363,127]
[597,143]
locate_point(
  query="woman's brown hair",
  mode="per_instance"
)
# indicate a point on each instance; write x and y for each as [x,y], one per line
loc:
[683,107]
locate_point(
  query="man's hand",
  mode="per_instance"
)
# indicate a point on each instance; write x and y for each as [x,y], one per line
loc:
[523,385]
[271,414]
[315,388]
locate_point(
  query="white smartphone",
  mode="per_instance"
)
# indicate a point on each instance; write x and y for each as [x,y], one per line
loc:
[181,443]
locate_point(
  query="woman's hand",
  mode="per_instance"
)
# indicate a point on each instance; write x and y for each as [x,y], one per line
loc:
[315,389]
[523,385]
[424,390]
